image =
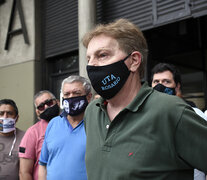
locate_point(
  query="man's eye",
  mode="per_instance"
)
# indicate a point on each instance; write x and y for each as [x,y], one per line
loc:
[10,113]
[66,94]
[76,93]
[102,55]
[166,82]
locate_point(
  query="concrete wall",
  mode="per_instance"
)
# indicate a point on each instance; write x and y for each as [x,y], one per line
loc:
[16,82]
[17,64]
[86,21]
[18,51]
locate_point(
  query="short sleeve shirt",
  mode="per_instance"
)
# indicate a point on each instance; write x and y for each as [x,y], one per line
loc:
[31,144]
[156,136]
[9,165]
[63,150]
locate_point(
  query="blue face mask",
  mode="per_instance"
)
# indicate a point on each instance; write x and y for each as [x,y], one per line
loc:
[164,89]
[108,80]
[75,105]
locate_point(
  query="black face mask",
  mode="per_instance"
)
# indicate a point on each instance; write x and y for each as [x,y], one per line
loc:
[108,80]
[75,105]
[164,89]
[50,113]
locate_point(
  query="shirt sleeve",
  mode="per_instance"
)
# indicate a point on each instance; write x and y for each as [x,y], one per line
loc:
[190,139]
[198,175]
[44,151]
[28,145]
[200,113]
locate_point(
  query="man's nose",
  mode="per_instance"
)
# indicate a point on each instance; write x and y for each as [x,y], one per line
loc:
[5,115]
[92,61]
[46,106]
[70,95]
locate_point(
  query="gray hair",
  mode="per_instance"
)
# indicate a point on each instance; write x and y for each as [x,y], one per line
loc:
[40,93]
[76,78]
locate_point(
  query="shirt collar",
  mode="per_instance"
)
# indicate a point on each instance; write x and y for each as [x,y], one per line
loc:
[141,96]
[64,114]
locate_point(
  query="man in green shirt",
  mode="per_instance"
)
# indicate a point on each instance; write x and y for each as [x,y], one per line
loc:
[134,132]
[166,78]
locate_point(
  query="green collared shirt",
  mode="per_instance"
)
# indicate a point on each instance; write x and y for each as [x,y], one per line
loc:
[156,137]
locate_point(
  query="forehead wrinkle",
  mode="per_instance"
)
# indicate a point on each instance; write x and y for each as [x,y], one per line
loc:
[103,41]
[67,87]
[41,99]
[97,51]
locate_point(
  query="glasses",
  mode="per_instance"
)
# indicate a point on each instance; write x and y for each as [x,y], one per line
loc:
[48,102]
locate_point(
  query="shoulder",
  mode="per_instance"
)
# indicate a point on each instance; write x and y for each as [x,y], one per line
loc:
[166,100]
[35,127]
[93,106]
[155,100]
[167,106]
[54,122]
[19,132]
[94,103]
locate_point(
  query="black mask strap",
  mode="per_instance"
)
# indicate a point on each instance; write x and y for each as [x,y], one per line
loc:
[127,57]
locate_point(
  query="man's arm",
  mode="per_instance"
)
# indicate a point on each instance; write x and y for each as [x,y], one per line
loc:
[42,173]
[196,138]
[26,169]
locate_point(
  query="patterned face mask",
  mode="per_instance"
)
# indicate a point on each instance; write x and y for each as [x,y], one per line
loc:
[75,105]
[7,125]
[164,89]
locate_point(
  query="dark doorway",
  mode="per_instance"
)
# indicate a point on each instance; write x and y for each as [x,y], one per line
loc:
[183,44]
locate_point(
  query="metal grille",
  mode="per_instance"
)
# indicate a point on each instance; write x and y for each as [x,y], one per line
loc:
[166,11]
[61,27]
[149,13]
[137,11]
[198,7]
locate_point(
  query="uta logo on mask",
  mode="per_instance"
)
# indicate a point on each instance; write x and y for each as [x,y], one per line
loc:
[111,81]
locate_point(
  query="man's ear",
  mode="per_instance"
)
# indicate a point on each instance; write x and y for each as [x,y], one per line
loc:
[135,62]
[17,118]
[89,97]
[58,102]
[37,112]
[178,90]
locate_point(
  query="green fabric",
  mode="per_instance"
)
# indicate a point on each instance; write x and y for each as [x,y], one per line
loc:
[156,137]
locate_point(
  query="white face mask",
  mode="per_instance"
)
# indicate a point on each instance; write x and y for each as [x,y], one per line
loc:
[7,125]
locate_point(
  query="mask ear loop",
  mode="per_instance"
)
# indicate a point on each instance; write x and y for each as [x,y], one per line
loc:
[14,141]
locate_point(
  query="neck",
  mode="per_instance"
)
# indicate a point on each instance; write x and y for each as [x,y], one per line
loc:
[75,120]
[124,97]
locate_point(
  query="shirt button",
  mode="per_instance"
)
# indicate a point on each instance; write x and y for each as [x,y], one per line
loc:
[107,126]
